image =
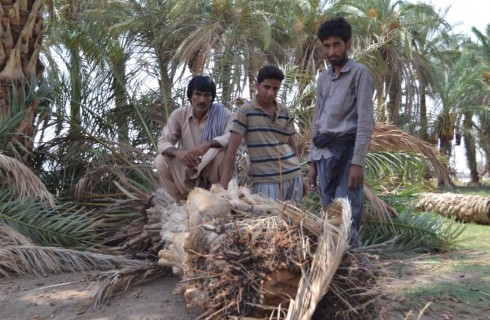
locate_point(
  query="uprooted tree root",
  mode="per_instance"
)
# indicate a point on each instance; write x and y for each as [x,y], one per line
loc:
[242,256]
[247,279]
[250,263]
[354,290]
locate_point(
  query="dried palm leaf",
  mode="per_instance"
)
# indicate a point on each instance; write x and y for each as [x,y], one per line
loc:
[130,167]
[109,283]
[331,247]
[388,137]
[377,209]
[22,182]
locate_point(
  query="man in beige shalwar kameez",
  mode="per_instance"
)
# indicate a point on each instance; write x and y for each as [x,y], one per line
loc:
[192,144]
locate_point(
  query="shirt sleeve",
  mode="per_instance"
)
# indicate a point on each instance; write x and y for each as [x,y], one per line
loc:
[171,132]
[312,156]
[240,124]
[365,115]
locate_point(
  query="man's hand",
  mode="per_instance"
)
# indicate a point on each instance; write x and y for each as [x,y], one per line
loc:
[305,187]
[356,176]
[189,158]
[201,149]
[312,175]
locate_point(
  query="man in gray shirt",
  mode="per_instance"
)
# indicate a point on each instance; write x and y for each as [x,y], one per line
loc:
[343,123]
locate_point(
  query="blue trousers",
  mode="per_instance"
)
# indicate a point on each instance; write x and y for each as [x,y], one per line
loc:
[333,175]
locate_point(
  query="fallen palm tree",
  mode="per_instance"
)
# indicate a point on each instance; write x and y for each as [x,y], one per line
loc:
[243,255]
[465,208]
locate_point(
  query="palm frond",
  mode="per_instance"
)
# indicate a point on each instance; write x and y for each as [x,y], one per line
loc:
[22,182]
[416,232]
[333,242]
[19,256]
[111,282]
[388,138]
[65,225]
[376,208]
[395,168]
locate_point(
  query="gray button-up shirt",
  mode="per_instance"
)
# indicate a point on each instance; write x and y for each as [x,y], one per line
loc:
[344,104]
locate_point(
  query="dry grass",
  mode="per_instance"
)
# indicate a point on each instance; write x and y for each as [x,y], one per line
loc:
[22,182]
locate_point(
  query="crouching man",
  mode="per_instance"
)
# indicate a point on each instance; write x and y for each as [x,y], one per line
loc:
[192,144]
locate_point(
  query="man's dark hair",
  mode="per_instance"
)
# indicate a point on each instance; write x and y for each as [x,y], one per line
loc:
[335,27]
[201,83]
[270,72]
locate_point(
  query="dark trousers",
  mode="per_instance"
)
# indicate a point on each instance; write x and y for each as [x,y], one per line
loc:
[333,175]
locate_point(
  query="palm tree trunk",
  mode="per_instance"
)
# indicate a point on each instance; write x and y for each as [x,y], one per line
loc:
[164,63]
[22,32]
[119,87]
[466,208]
[423,110]
[74,133]
[485,142]
[470,147]
[394,93]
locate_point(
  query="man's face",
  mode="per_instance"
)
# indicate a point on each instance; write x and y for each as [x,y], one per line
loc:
[201,101]
[267,90]
[336,50]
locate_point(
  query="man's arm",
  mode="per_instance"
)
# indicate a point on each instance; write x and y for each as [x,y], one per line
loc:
[201,149]
[171,134]
[219,141]
[365,127]
[312,171]
[229,158]
[188,158]
[293,145]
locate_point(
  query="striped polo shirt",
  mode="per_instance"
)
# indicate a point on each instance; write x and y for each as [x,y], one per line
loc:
[272,159]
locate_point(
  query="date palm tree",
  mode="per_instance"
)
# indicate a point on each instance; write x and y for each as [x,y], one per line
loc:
[230,39]
[22,31]
[392,34]
[483,51]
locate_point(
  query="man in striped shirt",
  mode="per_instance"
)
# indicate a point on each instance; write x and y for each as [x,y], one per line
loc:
[268,129]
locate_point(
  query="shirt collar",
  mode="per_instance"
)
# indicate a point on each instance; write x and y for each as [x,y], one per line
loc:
[346,68]
[190,113]
[256,104]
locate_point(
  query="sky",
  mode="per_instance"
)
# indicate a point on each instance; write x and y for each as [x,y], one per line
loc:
[465,13]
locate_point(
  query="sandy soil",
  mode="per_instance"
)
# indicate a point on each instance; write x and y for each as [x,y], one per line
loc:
[66,297]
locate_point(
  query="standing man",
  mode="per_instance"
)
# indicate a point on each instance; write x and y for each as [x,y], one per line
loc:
[343,123]
[268,129]
[202,132]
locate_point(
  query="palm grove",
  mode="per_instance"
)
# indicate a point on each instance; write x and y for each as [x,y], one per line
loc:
[87,86]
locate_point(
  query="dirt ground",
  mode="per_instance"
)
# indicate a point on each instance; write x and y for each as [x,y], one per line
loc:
[66,297]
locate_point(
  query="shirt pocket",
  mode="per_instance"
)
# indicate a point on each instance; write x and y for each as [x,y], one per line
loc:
[341,100]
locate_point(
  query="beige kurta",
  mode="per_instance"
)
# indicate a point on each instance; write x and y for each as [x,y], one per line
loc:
[183,130]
